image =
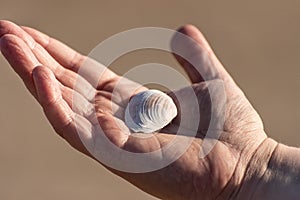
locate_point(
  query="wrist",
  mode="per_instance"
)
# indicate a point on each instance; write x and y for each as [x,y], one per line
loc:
[281,180]
[250,171]
[272,173]
[255,173]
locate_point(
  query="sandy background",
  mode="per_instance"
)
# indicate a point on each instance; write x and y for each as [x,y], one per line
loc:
[258,42]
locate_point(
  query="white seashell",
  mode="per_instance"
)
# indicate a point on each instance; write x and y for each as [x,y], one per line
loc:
[149,111]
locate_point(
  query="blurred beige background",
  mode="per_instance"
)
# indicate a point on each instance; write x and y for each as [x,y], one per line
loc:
[258,42]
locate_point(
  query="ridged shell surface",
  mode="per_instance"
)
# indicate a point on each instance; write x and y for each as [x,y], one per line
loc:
[149,111]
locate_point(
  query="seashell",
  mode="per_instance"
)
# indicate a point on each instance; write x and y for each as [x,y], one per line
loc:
[149,111]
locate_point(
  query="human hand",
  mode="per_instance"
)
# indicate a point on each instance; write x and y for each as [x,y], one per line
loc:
[219,175]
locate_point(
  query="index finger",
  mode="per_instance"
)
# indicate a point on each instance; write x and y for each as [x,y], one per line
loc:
[97,74]
[94,72]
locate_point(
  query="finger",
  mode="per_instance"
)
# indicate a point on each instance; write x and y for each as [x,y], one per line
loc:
[114,128]
[20,58]
[65,76]
[105,117]
[94,113]
[50,97]
[104,103]
[79,104]
[196,56]
[96,74]
[66,56]
[70,59]
[7,27]
[56,109]
[66,122]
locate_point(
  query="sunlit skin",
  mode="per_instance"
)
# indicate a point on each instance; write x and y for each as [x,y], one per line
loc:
[49,71]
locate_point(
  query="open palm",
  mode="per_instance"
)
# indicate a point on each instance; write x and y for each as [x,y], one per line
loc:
[56,82]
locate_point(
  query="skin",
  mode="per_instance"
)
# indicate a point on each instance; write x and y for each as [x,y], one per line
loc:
[240,156]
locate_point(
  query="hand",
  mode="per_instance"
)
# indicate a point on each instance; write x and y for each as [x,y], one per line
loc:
[49,71]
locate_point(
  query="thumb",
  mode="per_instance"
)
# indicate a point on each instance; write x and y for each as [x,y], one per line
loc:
[195,55]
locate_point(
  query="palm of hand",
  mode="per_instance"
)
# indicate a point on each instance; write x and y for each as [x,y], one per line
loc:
[188,177]
[205,178]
